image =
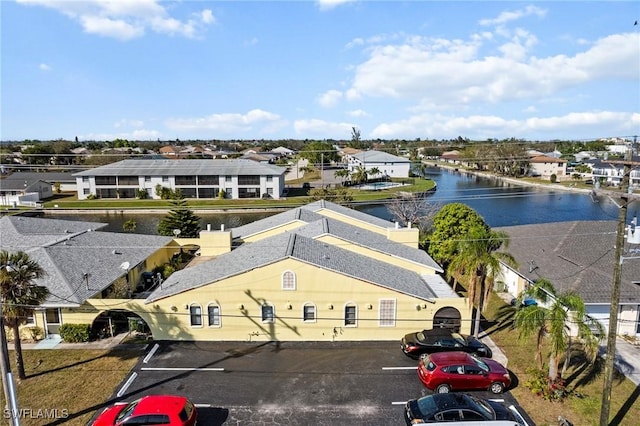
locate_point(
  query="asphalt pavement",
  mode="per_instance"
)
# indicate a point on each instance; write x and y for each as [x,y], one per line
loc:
[319,383]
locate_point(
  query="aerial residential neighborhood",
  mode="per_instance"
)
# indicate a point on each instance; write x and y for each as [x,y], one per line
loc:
[324,212]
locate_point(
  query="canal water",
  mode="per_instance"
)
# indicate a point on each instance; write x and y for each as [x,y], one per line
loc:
[499,203]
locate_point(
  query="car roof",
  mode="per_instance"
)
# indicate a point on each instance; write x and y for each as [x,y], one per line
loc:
[448,400]
[450,357]
[160,404]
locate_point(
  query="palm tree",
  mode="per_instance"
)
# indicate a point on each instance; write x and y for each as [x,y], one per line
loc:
[342,174]
[360,174]
[478,260]
[374,171]
[19,295]
[551,319]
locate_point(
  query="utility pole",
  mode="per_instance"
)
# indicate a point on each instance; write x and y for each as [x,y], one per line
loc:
[615,288]
[8,385]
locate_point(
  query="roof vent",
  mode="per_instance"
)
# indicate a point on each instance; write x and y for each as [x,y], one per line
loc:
[115,252]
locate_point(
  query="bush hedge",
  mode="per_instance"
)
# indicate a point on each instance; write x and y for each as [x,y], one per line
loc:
[75,333]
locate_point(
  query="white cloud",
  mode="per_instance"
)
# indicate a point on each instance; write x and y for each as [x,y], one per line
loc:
[330,4]
[251,42]
[508,16]
[226,122]
[454,73]
[315,128]
[136,135]
[126,19]
[44,67]
[207,16]
[358,113]
[128,123]
[491,126]
[330,98]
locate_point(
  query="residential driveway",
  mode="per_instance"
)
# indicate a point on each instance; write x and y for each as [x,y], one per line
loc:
[291,383]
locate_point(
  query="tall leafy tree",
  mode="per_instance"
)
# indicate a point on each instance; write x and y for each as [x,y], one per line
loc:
[451,224]
[477,261]
[20,295]
[180,217]
[551,320]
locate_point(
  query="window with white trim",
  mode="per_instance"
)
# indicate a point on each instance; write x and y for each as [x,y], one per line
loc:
[350,315]
[309,312]
[268,313]
[387,313]
[195,314]
[213,313]
[288,280]
[30,318]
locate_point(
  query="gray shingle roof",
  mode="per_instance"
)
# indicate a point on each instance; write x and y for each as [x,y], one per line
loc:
[184,167]
[577,255]
[351,213]
[365,238]
[275,221]
[67,250]
[291,245]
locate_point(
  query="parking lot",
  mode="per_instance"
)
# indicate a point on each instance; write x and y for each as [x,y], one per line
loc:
[289,383]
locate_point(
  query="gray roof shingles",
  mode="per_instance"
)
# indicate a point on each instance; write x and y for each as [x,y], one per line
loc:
[184,167]
[67,250]
[575,256]
[291,245]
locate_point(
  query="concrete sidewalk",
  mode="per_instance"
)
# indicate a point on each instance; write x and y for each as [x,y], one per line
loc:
[57,343]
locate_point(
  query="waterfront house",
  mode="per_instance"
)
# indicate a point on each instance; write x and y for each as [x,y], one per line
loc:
[544,166]
[575,256]
[202,179]
[389,165]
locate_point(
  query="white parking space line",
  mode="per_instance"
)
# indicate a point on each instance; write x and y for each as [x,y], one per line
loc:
[179,369]
[400,368]
[127,384]
[150,354]
[203,405]
[399,403]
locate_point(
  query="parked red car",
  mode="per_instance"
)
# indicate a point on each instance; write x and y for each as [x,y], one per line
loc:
[150,410]
[452,371]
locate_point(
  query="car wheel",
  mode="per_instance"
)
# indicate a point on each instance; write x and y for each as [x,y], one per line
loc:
[443,389]
[496,387]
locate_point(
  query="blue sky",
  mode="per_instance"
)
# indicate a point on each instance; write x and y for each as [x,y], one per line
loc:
[147,70]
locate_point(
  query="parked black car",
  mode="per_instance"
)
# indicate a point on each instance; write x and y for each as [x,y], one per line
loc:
[458,407]
[442,340]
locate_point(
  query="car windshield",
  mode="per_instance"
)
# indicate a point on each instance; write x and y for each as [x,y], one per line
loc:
[427,406]
[480,363]
[482,407]
[459,339]
[127,411]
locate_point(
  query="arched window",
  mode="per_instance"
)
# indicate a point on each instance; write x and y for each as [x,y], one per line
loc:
[213,312]
[309,312]
[268,313]
[195,313]
[350,315]
[288,280]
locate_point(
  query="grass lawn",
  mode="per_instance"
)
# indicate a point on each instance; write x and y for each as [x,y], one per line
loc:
[296,197]
[585,411]
[78,381]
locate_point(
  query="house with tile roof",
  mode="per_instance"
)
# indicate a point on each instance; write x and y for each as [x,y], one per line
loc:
[544,166]
[201,179]
[576,256]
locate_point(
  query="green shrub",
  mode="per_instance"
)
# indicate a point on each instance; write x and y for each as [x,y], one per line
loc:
[75,333]
[34,333]
[553,178]
[551,390]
